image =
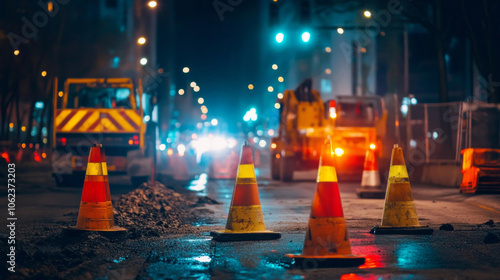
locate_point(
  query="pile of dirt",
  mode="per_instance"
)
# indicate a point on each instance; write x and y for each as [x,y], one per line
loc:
[152,210]
[45,251]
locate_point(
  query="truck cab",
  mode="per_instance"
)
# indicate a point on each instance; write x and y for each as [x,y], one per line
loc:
[354,123]
[96,111]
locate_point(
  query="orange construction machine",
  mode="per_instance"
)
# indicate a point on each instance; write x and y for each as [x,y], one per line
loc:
[480,170]
[354,123]
[98,111]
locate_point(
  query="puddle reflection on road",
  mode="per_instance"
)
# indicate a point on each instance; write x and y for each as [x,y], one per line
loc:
[209,259]
[199,185]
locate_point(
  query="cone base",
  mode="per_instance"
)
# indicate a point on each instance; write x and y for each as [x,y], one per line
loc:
[223,236]
[371,192]
[311,262]
[421,230]
[112,233]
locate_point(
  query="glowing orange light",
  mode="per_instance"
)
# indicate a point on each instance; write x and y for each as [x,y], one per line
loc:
[152,4]
[278,156]
[373,146]
[23,145]
[350,276]
[5,155]
[170,152]
[333,111]
[130,142]
[339,152]
[44,155]
[273,146]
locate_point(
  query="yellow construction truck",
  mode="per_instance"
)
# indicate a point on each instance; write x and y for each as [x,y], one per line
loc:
[354,123]
[98,111]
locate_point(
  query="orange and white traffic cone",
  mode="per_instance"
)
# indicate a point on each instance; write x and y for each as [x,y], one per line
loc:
[96,210]
[400,215]
[370,181]
[327,240]
[245,220]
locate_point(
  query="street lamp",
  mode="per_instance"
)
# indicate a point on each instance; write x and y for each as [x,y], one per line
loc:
[279,37]
[306,36]
[367,14]
[152,4]
[340,30]
[185,69]
[141,41]
[275,67]
[143,61]
[204,109]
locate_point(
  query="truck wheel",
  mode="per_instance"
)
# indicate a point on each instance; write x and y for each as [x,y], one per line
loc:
[275,168]
[287,165]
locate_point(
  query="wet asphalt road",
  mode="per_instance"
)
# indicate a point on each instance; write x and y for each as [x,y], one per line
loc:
[458,254]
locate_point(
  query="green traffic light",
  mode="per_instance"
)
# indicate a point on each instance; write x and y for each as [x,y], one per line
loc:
[279,37]
[306,36]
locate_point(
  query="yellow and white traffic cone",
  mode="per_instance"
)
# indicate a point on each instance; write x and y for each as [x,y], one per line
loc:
[400,215]
[245,220]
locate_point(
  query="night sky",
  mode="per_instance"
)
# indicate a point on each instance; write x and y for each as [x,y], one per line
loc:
[223,56]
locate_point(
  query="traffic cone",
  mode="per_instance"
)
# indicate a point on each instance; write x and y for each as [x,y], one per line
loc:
[400,215]
[245,220]
[96,210]
[370,181]
[327,240]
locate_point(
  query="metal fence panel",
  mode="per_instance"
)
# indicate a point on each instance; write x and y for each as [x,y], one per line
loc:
[439,131]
